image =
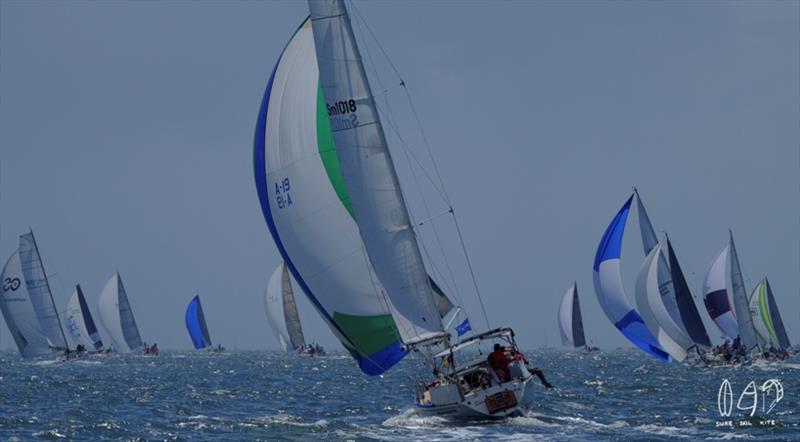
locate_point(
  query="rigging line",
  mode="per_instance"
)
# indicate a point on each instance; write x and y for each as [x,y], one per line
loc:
[471,272]
[390,118]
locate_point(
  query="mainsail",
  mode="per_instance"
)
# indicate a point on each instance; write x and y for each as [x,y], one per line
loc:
[80,325]
[651,307]
[196,324]
[715,296]
[19,313]
[683,295]
[117,317]
[281,310]
[39,292]
[611,293]
[747,331]
[570,323]
[370,177]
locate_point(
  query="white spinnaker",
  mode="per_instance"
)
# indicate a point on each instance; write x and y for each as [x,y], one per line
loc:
[648,302]
[18,311]
[117,317]
[747,331]
[76,327]
[39,291]
[273,306]
[565,317]
[715,294]
[370,176]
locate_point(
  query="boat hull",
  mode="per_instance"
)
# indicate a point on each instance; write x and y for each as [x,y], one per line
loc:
[479,404]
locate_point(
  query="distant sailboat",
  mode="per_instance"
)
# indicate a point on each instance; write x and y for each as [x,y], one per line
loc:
[715,296]
[117,317]
[27,303]
[196,324]
[767,317]
[570,322]
[80,325]
[281,310]
[747,331]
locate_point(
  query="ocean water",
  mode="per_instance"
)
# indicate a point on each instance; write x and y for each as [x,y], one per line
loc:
[615,394]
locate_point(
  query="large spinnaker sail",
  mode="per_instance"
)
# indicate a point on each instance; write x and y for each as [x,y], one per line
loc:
[307,210]
[775,316]
[196,324]
[117,317]
[18,311]
[611,293]
[747,331]
[39,291]
[290,314]
[665,284]
[683,295]
[273,306]
[569,319]
[80,325]
[763,335]
[715,296]
[649,304]
[370,176]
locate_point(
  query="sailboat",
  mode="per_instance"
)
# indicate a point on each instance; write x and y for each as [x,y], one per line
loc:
[196,325]
[570,321]
[340,223]
[662,293]
[734,321]
[281,310]
[80,325]
[767,318]
[27,303]
[117,317]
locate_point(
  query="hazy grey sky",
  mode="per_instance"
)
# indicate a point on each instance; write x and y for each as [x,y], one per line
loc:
[126,133]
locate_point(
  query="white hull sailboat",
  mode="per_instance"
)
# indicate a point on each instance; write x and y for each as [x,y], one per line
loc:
[340,222]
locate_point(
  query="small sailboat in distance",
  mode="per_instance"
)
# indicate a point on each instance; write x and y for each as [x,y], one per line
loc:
[766,309]
[116,316]
[197,327]
[27,303]
[80,325]
[281,310]
[570,320]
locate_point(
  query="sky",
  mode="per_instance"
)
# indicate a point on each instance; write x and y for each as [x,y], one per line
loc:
[126,133]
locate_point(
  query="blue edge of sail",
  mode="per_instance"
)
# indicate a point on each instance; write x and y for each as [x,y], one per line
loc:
[373,364]
[193,324]
[631,325]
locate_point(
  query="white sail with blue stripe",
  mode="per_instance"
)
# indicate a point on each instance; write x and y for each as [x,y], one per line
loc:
[611,293]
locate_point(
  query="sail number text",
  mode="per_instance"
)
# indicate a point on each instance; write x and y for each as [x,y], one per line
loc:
[282,197]
[338,114]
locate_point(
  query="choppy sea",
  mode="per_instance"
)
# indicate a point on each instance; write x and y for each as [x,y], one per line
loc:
[615,394]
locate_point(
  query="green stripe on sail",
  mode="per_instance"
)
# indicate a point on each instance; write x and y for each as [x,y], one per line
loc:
[763,310]
[327,152]
[370,334]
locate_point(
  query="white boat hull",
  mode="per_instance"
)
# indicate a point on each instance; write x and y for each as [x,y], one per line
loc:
[474,405]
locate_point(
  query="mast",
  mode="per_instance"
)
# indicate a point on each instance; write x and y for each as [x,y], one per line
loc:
[370,176]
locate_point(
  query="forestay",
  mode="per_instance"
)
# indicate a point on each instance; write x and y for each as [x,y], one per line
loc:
[39,292]
[715,296]
[117,317]
[370,177]
[196,324]
[18,311]
[80,325]
[570,322]
[611,293]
